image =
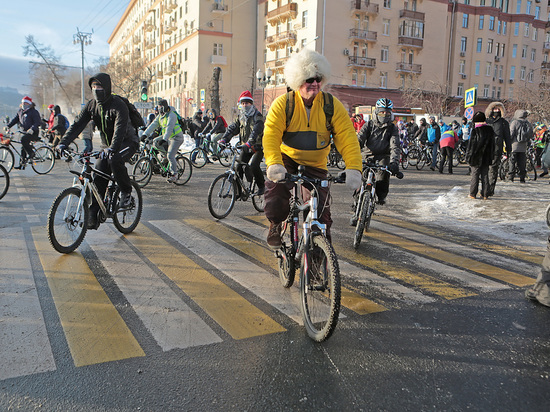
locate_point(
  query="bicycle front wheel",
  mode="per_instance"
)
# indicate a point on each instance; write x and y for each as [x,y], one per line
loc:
[43,160]
[421,161]
[320,289]
[257,200]
[225,157]
[143,171]
[364,204]
[6,158]
[413,156]
[221,196]
[530,169]
[185,170]
[67,223]
[198,157]
[126,219]
[548,216]
[4,181]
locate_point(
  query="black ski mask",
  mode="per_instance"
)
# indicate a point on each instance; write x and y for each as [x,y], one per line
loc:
[99,95]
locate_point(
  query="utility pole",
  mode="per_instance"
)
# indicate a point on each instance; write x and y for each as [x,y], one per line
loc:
[85,39]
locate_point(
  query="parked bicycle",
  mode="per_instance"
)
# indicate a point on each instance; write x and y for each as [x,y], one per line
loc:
[155,162]
[201,155]
[42,162]
[366,200]
[230,186]
[335,159]
[314,255]
[69,214]
[4,181]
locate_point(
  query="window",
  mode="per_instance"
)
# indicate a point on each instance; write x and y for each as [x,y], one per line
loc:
[491,22]
[265,32]
[516,29]
[511,93]
[490,46]
[526,29]
[504,27]
[512,72]
[463,44]
[488,69]
[185,54]
[354,77]
[514,51]
[479,45]
[530,76]
[478,65]
[465,20]
[363,81]
[485,90]
[218,49]
[493,93]
[528,8]
[524,52]
[461,66]
[499,25]
[304,18]
[387,4]
[383,80]
[460,89]
[537,12]
[533,54]
[410,28]
[500,71]
[184,77]
[481,21]
[386,27]
[522,73]
[518,7]
[384,53]
[535,34]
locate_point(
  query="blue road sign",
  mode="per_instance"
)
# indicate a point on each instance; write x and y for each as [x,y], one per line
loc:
[469,113]
[470,97]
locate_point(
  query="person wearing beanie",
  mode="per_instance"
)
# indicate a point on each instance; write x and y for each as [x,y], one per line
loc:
[49,123]
[249,125]
[59,125]
[111,116]
[30,121]
[196,126]
[495,114]
[479,155]
[521,133]
[215,128]
[305,138]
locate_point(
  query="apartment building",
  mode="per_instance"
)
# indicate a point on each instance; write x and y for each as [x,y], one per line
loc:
[376,48]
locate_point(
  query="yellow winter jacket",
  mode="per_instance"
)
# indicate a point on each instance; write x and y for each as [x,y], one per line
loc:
[308,142]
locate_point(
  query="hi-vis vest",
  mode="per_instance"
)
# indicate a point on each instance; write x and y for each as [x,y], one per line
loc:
[163,122]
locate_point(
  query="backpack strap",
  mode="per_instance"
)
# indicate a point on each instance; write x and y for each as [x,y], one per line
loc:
[328,108]
[289,107]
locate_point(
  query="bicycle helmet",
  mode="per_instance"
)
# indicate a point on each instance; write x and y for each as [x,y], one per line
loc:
[384,103]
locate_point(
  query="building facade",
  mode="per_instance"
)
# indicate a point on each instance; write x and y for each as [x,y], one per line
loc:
[376,48]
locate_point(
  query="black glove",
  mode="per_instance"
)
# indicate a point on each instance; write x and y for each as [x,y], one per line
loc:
[106,153]
[393,168]
[144,137]
[61,148]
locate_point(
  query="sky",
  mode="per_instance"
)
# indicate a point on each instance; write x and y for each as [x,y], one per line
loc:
[53,23]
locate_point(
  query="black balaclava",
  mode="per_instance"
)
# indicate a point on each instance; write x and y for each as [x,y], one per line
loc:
[105,80]
[163,106]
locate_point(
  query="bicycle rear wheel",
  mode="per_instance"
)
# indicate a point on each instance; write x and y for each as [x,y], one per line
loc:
[185,170]
[320,289]
[257,200]
[530,169]
[43,160]
[222,194]
[66,230]
[198,157]
[225,156]
[548,216]
[287,266]
[413,156]
[143,171]
[126,219]
[4,181]
[364,204]
[404,160]
[6,158]
[421,161]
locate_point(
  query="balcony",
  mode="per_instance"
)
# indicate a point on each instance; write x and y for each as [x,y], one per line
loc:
[546,45]
[148,26]
[411,15]
[410,41]
[365,62]
[136,40]
[281,40]
[169,28]
[282,14]
[545,66]
[365,7]
[214,59]
[364,35]
[170,6]
[219,8]
[172,69]
[160,74]
[408,68]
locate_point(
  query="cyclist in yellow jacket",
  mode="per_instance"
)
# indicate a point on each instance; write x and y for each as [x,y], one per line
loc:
[305,139]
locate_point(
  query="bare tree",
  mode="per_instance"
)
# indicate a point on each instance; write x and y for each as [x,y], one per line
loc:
[127,73]
[431,96]
[214,87]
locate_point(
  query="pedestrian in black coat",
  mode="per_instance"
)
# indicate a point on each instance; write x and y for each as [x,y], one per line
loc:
[479,155]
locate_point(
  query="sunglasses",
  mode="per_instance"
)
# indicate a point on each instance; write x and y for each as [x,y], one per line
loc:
[317,79]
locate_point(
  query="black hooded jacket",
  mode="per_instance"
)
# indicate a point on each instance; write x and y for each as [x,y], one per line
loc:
[59,126]
[111,118]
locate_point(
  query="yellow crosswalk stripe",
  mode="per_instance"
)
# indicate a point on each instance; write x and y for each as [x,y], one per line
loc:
[451,258]
[500,249]
[94,329]
[230,310]
[252,247]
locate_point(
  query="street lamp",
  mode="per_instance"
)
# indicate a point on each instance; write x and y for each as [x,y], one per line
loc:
[263,80]
[84,39]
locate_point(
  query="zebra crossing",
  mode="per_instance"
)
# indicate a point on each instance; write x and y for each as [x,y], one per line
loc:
[195,282]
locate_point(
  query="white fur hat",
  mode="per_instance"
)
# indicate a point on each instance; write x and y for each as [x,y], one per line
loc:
[304,65]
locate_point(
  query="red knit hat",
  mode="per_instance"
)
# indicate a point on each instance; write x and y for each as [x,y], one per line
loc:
[50,106]
[27,100]
[246,96]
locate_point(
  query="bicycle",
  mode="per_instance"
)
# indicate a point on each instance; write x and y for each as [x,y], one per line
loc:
[335,159]
[226,188]
[4,181]
[69,214]
[314,255]
[155,162]
[46,137]
[366,200]
[530,169]
[42,162]
[200,155]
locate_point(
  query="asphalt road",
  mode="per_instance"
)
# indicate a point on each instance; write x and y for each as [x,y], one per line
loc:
[187,313]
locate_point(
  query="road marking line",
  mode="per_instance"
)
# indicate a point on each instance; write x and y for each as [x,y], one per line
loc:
[170,321]
[230,310]
[94,329]
[24,344]
[433,285]
[420,244]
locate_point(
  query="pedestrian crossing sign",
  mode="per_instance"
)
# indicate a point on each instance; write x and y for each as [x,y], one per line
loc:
[470,97]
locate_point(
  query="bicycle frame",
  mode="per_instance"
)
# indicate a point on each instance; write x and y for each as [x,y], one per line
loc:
[233,170]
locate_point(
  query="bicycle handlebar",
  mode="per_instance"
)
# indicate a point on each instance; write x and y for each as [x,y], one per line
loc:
[397,174]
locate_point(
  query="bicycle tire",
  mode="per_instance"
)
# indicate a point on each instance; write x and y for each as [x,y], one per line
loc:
[7,159]
[4,181]
[142,172]
[225,156]
[320,289]
[222,194]
[548,216]
[198,157]
[185,170]
[362,218]
[287,267]
[127,219]
[258,201]
[412,156]
[43,160]
[73,146]
[503,169]
[404,161]
[530,169]
[340,164]
[421,161]
[64,232]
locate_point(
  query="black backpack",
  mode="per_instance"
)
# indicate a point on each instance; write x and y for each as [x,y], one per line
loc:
[328,108]
[135,116]
[525,132]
